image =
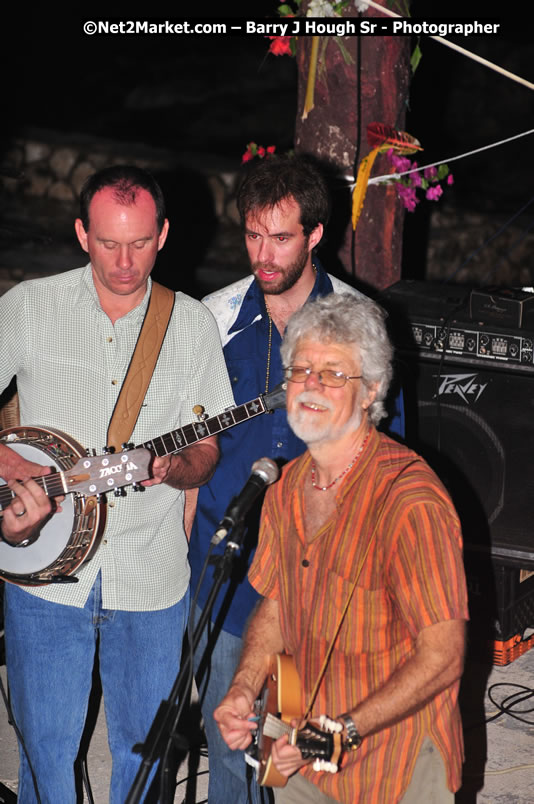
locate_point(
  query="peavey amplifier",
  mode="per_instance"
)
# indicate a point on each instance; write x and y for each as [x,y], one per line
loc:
[469,399]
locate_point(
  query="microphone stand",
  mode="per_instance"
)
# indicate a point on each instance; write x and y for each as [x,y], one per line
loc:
[164,725]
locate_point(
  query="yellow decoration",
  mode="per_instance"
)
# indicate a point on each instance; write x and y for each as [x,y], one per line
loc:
[400,142]
[312,72]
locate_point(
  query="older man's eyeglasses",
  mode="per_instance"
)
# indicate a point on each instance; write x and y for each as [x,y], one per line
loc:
[328,377]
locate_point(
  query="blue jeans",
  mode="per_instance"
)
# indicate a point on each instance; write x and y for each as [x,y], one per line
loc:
[50,651]
[227,782]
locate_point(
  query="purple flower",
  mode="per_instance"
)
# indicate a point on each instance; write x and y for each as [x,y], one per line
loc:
[400,163]
[434,192]
[415,177]
[431,173]
[450,179]
[407,196]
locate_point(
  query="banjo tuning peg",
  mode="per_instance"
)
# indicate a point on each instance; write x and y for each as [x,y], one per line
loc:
[200,413]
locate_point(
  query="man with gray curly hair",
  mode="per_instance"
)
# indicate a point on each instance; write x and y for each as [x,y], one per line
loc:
[336,318]
[359,563]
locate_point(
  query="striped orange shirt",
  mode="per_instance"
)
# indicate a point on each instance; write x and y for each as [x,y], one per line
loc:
[412,578]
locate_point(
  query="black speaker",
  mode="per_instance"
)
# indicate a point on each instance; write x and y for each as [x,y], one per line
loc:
[469,391]
[475,426]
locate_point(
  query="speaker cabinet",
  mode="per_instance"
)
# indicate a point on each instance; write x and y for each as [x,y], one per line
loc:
[475,426]
[469,402]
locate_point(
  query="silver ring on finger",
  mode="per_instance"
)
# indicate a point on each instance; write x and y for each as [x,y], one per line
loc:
[21,513]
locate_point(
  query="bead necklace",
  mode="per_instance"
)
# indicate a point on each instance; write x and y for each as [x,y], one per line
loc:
[344,472]
[269,344]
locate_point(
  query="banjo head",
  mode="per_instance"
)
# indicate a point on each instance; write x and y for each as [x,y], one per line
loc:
[68,536]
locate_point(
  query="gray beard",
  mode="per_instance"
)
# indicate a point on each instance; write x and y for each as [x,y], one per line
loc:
[311,434]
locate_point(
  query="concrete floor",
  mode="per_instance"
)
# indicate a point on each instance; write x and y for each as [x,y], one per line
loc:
[499,765]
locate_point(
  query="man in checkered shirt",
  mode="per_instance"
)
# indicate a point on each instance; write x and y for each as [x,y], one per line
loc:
[69,340]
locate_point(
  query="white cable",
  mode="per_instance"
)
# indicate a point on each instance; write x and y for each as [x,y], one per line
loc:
[501,772]
[392,176]
[462,50]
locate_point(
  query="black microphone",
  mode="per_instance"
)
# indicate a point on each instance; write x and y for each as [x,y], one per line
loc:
[264,472]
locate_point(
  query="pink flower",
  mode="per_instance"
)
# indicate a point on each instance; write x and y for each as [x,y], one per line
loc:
[407,196]
[415,177]
[400,163]
[434,192]
[261,151]
[431,173]
[280,45]
[271,149]
[450,179]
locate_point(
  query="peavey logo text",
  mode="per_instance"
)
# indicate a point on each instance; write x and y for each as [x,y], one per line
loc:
[464,385]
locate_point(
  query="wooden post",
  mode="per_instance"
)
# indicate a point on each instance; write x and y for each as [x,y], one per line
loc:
[379,76]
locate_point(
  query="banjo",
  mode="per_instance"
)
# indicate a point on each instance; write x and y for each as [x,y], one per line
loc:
[70,537]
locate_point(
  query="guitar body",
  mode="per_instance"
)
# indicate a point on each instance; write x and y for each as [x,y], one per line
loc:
[67,538]
[281,698]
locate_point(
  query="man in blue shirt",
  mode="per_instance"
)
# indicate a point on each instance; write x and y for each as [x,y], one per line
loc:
[284,206]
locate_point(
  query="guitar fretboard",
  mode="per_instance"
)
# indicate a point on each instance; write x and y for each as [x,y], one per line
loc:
[274,728]
[191,433]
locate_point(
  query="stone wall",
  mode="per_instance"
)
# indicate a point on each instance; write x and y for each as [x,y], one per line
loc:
[474,240]
[43,171]
[47,164]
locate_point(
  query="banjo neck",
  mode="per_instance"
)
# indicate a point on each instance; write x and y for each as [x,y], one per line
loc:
[98,474]
[183,437]
[55,555]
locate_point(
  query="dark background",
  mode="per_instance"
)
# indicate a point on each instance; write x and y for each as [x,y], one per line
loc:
[210,95]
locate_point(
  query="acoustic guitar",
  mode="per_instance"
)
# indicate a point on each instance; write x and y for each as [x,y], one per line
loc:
[279,704]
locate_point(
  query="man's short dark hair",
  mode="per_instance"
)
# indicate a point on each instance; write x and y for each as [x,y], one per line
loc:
[126,181]
[274,179]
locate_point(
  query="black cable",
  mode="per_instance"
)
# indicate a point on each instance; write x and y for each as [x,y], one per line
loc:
[509,704]
[86,782]
[191,776]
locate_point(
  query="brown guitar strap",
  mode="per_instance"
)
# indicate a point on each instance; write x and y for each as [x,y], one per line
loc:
[142,364]
[326,661]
